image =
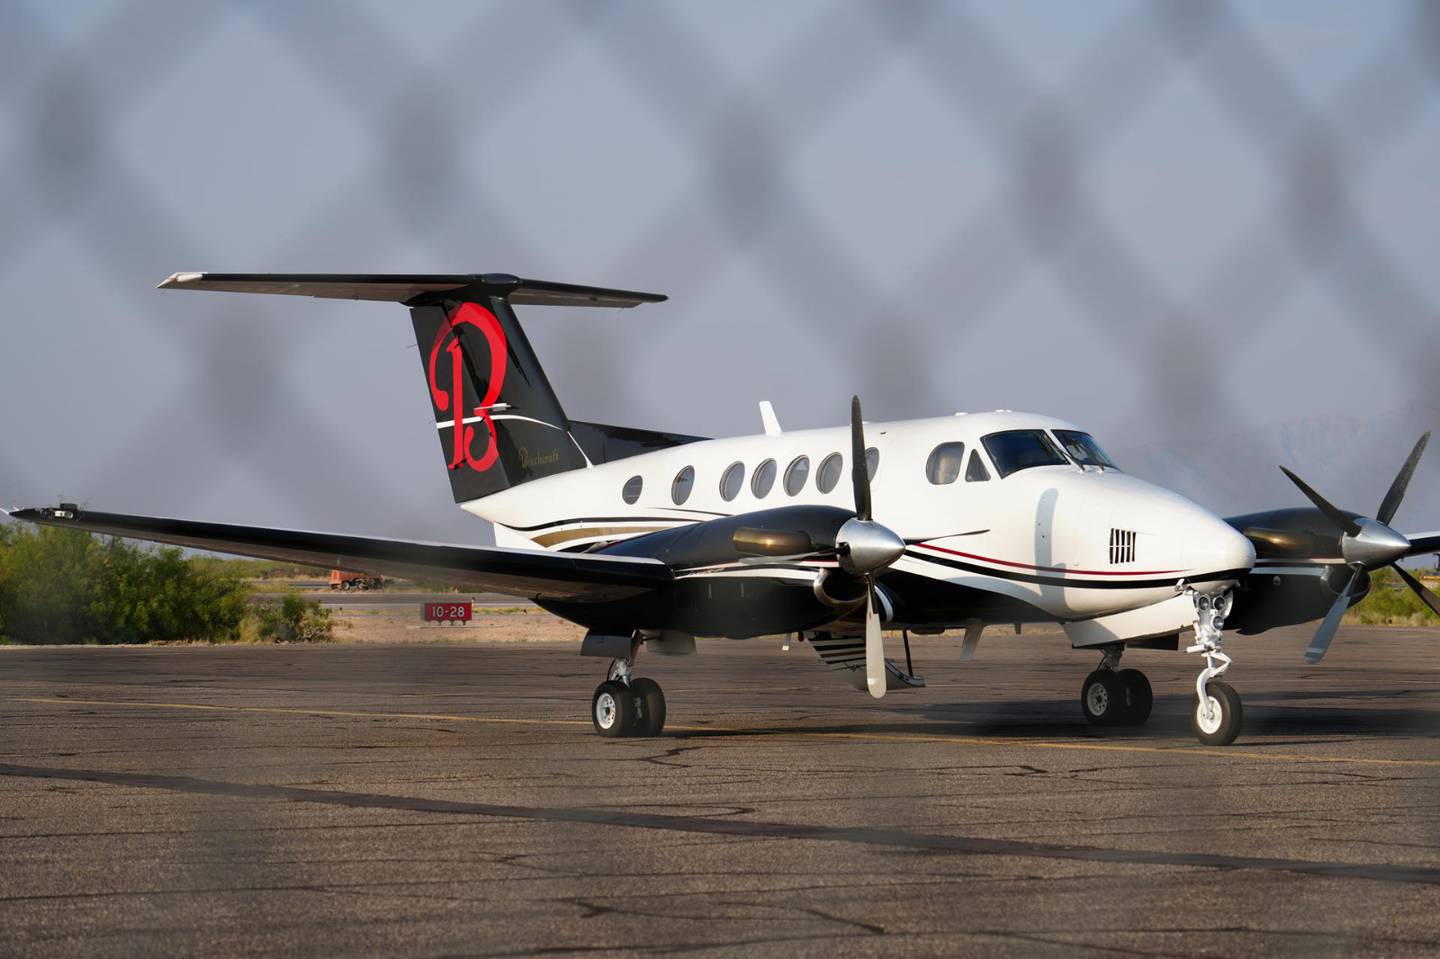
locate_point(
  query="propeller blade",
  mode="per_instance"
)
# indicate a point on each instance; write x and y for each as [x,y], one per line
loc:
[859,475]
[875,680]
[1426,596]
[916,540]
[1345,523]
[754,541]
[1392,499]
[1321,640]
[1423,543]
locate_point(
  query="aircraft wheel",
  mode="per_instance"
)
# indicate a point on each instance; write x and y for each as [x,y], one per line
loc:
[612,709]
[1139,697]
[1220,724]
[1102,698]
[650,706]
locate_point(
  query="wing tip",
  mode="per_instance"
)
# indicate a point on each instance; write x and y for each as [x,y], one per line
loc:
[178,280]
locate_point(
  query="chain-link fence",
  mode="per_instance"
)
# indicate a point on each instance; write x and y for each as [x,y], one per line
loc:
[1201,229]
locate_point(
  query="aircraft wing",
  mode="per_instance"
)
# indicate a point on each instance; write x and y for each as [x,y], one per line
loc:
[517,572]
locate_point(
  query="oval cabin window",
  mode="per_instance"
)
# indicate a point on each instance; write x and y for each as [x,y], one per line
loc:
[763,480]
[943,466]
[731,480]
[684,482]
[632,489]
[830,469]
[872,462]
[796,474]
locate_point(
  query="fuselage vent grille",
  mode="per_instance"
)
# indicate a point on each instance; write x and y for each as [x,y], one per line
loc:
[1122,546]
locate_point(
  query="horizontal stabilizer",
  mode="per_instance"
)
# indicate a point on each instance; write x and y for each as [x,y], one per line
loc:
[518,572]
[407,287]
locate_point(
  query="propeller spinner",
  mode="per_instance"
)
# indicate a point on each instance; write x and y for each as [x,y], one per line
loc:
[1365,544]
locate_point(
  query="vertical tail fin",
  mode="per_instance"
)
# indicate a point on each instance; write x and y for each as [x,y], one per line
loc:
[499,421]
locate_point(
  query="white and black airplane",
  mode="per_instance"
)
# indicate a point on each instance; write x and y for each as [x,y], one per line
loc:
[652,539]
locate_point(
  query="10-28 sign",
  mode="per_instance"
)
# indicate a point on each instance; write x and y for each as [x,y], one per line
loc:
[448,612]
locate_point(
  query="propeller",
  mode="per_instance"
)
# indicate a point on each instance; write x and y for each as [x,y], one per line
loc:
[866,548]
[1365,544]
[863,548]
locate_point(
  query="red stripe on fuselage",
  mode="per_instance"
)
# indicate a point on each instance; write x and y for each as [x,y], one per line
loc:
[1053,569]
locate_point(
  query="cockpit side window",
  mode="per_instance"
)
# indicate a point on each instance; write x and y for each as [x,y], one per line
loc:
[976,471]
[1084,450]
[1015,450]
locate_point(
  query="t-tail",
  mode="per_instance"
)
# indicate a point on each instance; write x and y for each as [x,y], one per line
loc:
[499,420]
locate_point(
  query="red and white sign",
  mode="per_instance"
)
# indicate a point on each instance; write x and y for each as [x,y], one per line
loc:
[448,612]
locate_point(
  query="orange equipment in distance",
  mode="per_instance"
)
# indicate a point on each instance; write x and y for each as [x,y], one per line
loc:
[348,580]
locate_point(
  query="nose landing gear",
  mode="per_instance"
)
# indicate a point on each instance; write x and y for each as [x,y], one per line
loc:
[1218,714]
[627,706]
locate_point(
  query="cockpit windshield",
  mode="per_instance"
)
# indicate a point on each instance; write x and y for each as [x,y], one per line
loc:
[1084,450]
[1015,450]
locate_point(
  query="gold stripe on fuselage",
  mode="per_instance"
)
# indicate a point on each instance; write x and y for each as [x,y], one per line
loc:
[567,535]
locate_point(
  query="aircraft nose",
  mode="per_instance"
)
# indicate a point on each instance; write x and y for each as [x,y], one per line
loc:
[1214,546]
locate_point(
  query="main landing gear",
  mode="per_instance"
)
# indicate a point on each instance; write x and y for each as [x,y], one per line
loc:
[627,706]
[1112,696]
[1116,697]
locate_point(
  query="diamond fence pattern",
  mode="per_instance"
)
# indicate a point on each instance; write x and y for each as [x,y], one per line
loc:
[68,93]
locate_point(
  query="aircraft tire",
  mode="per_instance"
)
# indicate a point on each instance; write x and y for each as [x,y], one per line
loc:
[650,703]
[1219,730]
[612,709]
[1139,697]
[1103,698]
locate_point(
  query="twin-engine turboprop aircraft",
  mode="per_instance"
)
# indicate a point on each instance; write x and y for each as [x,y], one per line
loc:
[652,539]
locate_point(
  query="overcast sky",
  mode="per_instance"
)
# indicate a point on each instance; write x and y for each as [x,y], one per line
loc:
[1209,235]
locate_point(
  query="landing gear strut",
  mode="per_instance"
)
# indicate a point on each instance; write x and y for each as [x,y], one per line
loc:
[625,705]
[1218,714]
[1112,696]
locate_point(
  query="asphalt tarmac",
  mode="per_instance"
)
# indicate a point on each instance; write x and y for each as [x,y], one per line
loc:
[452,800]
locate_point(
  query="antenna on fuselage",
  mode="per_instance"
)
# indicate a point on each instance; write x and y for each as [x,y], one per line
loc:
[768,419]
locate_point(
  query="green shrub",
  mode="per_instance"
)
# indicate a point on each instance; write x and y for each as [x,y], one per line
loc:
[1390,603]
[67,586]
[293,619]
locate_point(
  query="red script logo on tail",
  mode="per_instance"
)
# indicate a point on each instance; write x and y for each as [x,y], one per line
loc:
[449,340]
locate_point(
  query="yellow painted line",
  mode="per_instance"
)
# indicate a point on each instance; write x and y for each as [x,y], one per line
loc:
[1087,746]
[281,711]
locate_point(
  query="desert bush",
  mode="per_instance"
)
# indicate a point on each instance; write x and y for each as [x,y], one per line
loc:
[1390,603]
[292,619]
[67,586]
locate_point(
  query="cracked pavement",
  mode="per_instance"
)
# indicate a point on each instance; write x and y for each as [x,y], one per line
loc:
[453,800]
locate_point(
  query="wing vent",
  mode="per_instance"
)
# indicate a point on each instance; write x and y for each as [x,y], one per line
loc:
[1122,546]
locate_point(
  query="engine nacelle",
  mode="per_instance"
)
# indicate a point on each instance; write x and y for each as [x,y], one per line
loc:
[1268,600]
[713,596]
